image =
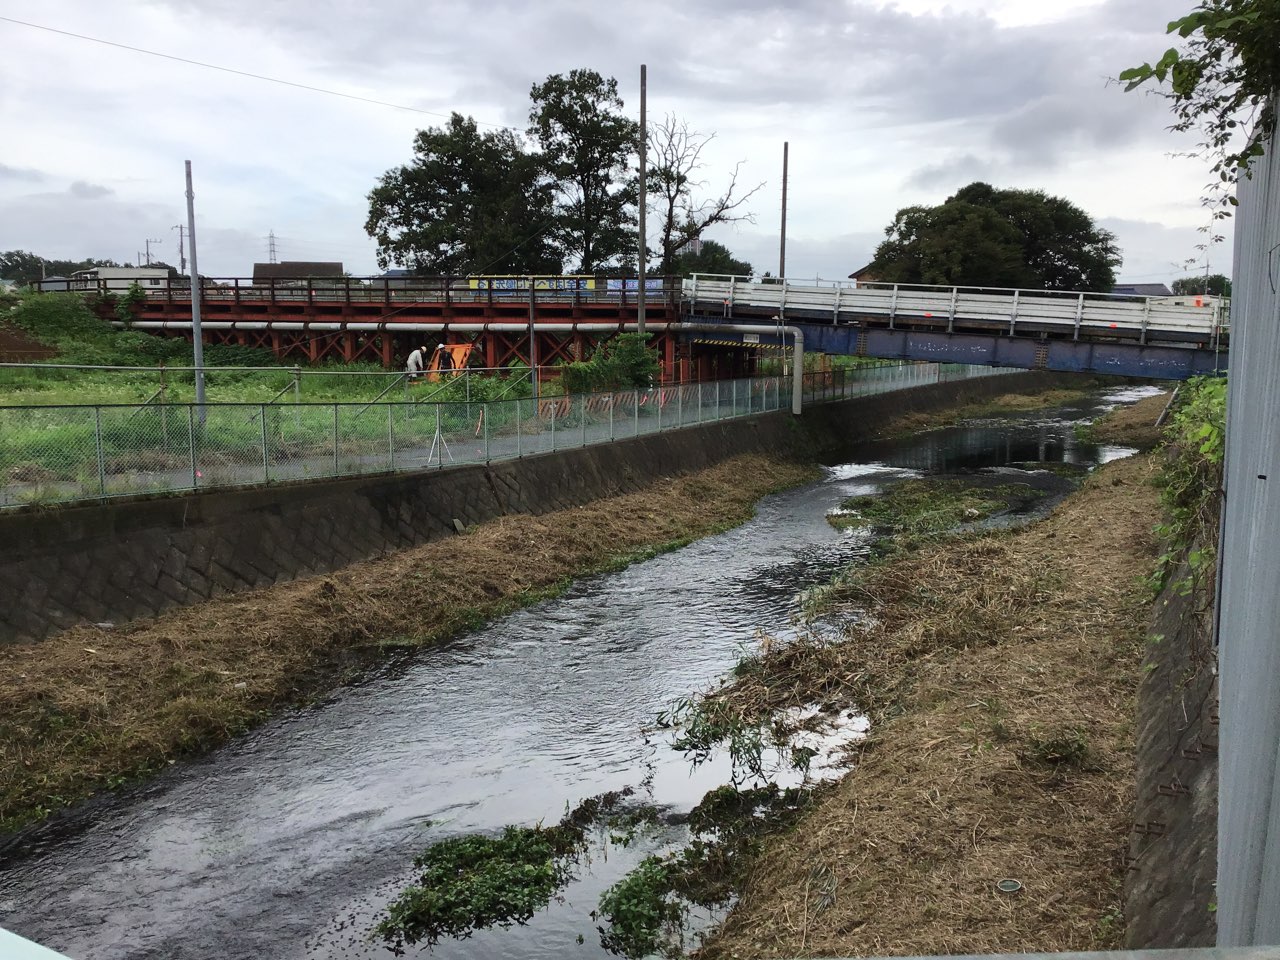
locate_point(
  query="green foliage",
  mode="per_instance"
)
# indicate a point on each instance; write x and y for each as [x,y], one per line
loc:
[623,363]
[26,269]
[1061,748]
[711,258]
[469,202]
[1221,83]
[133,298]
[1215,285]
[1191,479]
[982,236]
[472,882]
[587,142]
[641,910]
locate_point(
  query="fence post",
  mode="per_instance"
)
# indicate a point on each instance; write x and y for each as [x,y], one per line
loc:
[439,439]
[680,405]
[262,417]
[612,398]
[635,395]
[700,402]
[191,443]
[391,437]
[733,395]
[335,439]
[97,445]
[659,408]
[484,419]
[582,415]
[519,453]
[553,424]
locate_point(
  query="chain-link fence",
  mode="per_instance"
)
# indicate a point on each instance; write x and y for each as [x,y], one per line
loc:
[62,453]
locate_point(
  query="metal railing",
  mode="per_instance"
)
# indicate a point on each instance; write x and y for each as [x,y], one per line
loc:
[387,290]
[1193,318]
[51,454]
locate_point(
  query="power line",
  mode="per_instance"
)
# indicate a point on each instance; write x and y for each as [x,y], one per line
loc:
[244,73]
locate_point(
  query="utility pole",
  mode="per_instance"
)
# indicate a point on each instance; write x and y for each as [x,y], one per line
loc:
[197,336]
[271,247]
[533,345]
[182,256]
[782,248]
[644,167]
[149,243]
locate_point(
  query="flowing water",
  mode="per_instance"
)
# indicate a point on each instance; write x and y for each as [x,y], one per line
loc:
[287,842]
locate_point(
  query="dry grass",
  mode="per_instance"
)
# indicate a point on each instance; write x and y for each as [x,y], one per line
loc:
[1133,425]
[989,654]
[89,707]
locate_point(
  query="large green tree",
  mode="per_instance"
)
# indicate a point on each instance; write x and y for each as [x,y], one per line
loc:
[587,144]
[982,236]
[1215,285]
[711,257]
[469,202]
[24,268]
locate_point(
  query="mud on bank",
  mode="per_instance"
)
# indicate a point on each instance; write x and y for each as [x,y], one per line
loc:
[87,709]
[1000,673]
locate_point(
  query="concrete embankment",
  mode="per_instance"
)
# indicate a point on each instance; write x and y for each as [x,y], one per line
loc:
[118,561]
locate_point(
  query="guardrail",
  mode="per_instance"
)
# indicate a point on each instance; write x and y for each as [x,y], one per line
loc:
[51,454]
[402,290]
[1188,318]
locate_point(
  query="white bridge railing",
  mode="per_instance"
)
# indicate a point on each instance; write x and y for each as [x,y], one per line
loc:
[1187,318]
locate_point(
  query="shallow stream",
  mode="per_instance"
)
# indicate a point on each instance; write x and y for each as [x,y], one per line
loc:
[287,842]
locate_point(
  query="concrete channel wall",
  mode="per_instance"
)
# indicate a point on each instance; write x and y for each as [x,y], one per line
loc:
[1169,885]
[122,560]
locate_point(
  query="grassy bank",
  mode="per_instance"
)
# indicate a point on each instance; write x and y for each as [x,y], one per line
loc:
[996,406]
[91,708]
[999,671]
[1133,425]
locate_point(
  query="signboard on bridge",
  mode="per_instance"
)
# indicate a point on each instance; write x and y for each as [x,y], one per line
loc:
[511,284]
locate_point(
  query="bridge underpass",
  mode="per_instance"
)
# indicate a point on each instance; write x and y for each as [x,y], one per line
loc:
[1162,338]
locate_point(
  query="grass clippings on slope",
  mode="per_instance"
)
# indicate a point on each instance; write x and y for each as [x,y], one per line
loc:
[85,709]
[1000,673]
[1131,425]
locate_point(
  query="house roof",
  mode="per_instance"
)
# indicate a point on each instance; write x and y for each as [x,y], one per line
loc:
[1143,289]
[858,274]
[296,270]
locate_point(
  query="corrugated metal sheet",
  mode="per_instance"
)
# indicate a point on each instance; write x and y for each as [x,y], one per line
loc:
[1249,601]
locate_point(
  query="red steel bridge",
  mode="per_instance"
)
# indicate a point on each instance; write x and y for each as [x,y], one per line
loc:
[543,321]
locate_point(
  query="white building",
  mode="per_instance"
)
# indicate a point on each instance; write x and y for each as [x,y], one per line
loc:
[120,278]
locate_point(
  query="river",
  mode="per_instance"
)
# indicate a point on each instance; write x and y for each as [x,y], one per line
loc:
[286,843]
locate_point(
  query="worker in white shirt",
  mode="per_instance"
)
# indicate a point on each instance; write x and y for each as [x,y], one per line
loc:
[417,363]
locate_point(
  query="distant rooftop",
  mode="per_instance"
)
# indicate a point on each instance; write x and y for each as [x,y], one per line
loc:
[296,270]
[1142,289]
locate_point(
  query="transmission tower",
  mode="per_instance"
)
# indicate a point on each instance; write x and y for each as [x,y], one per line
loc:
[271,247]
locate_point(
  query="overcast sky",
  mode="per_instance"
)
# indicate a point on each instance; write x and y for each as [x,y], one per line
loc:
[884,105]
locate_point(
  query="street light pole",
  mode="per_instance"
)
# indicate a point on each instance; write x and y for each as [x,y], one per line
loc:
[644,167]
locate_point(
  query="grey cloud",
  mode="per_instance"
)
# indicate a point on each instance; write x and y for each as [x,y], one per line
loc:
[88,191]
[951,174]
[20,174]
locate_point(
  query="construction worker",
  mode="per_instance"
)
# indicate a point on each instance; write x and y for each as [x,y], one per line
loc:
[417,363]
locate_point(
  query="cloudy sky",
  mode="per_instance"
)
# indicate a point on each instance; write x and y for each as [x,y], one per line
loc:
[884,105]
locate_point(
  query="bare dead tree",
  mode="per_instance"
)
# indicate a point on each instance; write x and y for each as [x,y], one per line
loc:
[675,157]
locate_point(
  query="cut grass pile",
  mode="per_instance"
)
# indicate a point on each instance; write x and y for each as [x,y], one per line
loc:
[88,708]
[1005,403]
[999,671]
[1131,425]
